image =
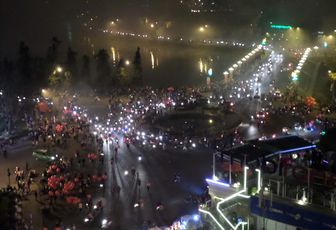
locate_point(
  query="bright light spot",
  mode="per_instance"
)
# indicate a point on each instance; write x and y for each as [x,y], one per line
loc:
[236,185]
[214,177]
[210,72]
[196,217]
[104,221]
[59,69]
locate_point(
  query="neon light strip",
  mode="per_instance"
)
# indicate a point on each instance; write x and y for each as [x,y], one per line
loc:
[224,200]
[259,180]
[217,182]
[242,224]
[296,149]
[244,196]
[231,197]
[209,213]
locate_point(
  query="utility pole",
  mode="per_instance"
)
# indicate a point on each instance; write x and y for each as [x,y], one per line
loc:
[8,174]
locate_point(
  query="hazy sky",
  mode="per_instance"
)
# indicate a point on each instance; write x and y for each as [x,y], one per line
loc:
[36,21]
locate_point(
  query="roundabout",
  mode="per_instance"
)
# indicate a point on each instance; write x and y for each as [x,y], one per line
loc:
[198,122]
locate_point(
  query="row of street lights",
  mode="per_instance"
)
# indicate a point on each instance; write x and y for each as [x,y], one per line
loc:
[241,61]
[296,72]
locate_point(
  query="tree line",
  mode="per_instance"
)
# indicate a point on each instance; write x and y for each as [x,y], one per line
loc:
[28,74]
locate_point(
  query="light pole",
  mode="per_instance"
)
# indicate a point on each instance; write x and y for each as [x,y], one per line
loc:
[214,166]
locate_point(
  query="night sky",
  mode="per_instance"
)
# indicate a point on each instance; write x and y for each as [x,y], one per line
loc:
[36,21]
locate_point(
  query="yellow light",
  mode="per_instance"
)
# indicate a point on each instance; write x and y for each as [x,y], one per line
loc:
[332,75]
[152,60]
[59,69]
[201,66]
[113,54]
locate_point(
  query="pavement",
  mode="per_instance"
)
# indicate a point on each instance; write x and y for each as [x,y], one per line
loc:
[157,167]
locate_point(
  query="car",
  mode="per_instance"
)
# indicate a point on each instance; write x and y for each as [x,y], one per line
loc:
[44,155]
[285,130]
[297,127]
[277,94]
[261,115]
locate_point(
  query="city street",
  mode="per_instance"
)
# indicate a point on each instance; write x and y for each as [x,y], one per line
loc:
[157,167]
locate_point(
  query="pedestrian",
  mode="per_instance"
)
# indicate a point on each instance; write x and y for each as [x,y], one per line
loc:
[80,206]
[148,186]
[133,171]
[35,194]
[118,190]
[138,182]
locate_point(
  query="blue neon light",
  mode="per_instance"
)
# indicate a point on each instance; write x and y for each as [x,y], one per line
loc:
[296,149]
[217,182]
[196,217]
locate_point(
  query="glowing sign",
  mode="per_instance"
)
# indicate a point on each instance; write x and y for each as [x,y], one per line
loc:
[281,27]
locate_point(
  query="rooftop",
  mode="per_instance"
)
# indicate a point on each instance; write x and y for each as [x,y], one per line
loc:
[255,149]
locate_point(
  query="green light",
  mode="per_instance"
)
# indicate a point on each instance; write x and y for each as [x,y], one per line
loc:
[281,27]
[323,133]
[295,77]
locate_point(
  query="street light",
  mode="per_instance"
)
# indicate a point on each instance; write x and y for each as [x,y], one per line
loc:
[127,62]
[201,29]
[59,69]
